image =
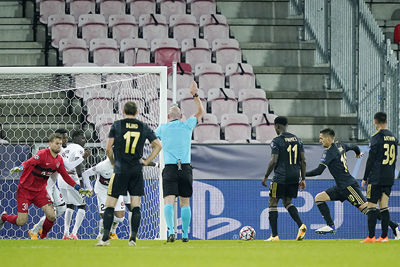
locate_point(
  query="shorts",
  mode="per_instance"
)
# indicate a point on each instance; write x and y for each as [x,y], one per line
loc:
[375,192]
[351,193]
[131,182]
[73,197]
[55,195]
[277,190]
[101,194]
[177,182]
[26,197]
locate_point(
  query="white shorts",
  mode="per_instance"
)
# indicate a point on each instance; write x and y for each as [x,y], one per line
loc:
[55,195]
[101,194]
[71,196]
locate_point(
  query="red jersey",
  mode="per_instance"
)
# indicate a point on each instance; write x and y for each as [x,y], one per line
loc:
[39,168]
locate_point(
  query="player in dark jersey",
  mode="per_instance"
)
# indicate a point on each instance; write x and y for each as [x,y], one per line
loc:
[125,150]
[32,184]
[288,162]
[379,174]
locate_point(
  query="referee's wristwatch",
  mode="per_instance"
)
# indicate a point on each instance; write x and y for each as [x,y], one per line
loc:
[196,95]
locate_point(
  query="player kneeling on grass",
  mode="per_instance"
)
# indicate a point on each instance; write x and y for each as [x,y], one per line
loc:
[32,184]
[288,162]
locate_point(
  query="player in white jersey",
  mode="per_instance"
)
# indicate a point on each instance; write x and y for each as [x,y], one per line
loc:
[74,152]
[103,172]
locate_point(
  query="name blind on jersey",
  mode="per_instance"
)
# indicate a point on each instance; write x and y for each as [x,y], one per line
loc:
[131,125]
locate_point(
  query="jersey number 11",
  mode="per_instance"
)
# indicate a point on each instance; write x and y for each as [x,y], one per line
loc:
[294,149]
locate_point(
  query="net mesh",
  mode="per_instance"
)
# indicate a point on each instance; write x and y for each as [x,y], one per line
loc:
[32,106]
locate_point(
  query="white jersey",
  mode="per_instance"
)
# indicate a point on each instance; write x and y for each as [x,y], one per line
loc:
[72,153]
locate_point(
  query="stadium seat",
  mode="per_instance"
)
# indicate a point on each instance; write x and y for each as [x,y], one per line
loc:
[141,7]
[112,7]
[103,125]
[123,27]
[115,82]
[153,26]
[81,7]
[50,7]
[98,103]
[135,51]
[155,78]
[214,27]
[209,76]
[184,76]
[202,7]
[172,7]
[253,101]
[235,127]
[396,34]
[130,94]
[207,129]
[222,101]
[226,51]
[186,102]
[86,81]
[263,127]
[239,76]
[73,51]
[92,26]
[165,51]
[105,51]
[183,27]
[61,27]
[196,51]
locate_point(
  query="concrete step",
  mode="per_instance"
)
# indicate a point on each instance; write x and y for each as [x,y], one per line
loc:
[21,33]
[266,30]
[292,78]
[279,54]
[22,57]
[21,45]
[11,9]
[385,10]
[254,8]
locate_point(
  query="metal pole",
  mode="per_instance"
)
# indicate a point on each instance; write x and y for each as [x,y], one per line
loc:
[174,66]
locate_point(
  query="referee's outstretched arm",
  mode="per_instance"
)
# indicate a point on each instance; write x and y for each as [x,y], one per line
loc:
[200,110]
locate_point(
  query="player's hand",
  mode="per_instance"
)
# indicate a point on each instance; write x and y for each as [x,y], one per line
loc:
[85,192]
[193,88]
[17,169]
[363,183]
[144,162]
[264,182]
[302,185]
[360,155]
[86,154]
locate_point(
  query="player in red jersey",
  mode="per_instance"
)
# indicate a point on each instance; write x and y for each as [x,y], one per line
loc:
[32,184]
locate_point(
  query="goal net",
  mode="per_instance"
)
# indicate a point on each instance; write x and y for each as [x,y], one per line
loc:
[34,102]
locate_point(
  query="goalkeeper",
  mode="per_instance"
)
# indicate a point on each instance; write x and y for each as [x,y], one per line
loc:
[32,184]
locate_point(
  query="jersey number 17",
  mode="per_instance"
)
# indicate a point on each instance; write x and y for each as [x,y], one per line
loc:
[130,149]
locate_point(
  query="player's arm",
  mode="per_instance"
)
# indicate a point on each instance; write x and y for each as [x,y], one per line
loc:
[109,150]
[64,174]
[156,148]
[200,109]
[302,183]
[354,148]
[317,171]
[72,164]
[89,173]
[33,161]
[271,165]
[370,161]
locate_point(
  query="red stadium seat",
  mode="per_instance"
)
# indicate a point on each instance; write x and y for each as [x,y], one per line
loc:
[222,101]
[235,127]
[105,51]
[112,7]
[396,34]
[227,51]
[186,102]
[209,75]
[184,76]
[50,7]
[253,101]
[61,27]
[153,26]
[73,51]
[141,7]
[135,51]
[263,125]
[196,51]
[81,7]
[92,26]
[184,27]
[86,81]
[202,7]
[207,129]
[172,7]
[165,51]
[123,27]
[214,27]
[240,76]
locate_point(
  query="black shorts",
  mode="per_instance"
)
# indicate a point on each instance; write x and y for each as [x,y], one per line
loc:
[131,182]
[177,182]
[277,190]
[351,193]
[375,192]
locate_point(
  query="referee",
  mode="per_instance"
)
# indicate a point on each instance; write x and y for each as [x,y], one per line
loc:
[176,136]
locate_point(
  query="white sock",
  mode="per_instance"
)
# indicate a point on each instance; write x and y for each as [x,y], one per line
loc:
[101,227]
[80,215]
[115,223]
[36,228]
[130,221]
[67,221]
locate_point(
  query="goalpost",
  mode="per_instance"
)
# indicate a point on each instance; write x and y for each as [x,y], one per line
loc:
[35,101]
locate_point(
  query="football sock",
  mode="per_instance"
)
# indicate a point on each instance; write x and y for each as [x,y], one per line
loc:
[67,220]
[294,213]
[326,214]
[101,229]
[385,221]
[107,222]
[273,220]
[9,218]
[392,224]
[135,222]
[186,214]
[46,228]
[169,218]
[115,224]
[130,221]
[80,215]
[372,215]
[36,228]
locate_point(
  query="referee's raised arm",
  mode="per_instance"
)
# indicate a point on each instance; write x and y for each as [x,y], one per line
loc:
[200,110]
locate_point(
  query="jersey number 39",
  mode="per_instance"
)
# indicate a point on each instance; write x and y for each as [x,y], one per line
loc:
[390,154]
[130,149]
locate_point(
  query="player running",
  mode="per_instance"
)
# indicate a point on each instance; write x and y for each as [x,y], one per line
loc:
[32,185]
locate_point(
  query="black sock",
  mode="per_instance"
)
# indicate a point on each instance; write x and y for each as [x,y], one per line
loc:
[294,214]
[385,221]
[135,222]
[108,219]
[392,224]
[372,215]
[273,220]
[325,212]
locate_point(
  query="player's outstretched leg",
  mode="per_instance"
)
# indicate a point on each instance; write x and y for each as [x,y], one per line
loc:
[37,229]
[320,201]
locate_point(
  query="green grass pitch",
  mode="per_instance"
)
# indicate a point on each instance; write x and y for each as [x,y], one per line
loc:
[74,253]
